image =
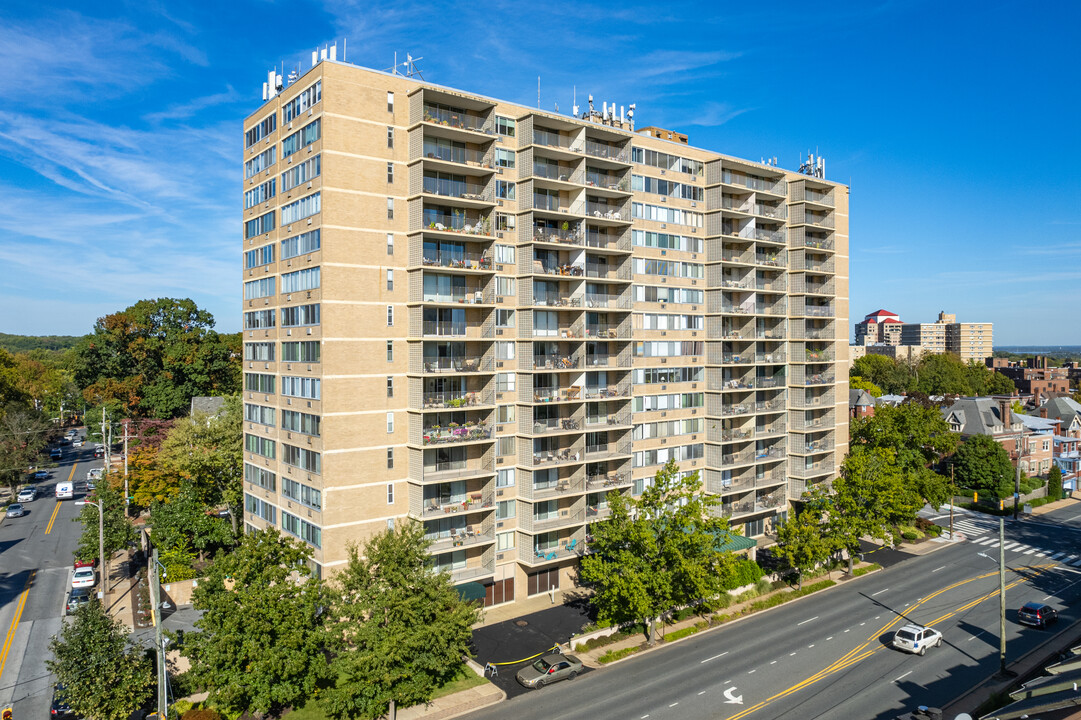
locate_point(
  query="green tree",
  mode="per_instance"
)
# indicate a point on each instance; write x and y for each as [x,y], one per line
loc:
[104,678]
[24,434]
[892,376]
[148,481]
[1054,483]
[118,530]
[655,552]
[859,383]
[401,629]
[984,465]
[208,451]
[183,522]
[154,356]
[918,436]
[802,543]
[942,374]
[261,640]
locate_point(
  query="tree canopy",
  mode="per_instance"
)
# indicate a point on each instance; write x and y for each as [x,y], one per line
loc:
[983,465]
[154,356]
[118,531]
[261,639]
[103,677]
[657,551]
[802,542]
[182,522]
[24,434]
[932,374]
[400,628]
[859,383]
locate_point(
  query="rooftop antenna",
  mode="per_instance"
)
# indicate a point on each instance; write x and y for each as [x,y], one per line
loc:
[538,92]
[410,66]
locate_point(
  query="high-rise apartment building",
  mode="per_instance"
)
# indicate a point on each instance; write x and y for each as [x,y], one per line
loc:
[930,336]
[486,318]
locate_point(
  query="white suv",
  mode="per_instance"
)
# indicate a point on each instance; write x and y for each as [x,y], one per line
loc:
[916,639]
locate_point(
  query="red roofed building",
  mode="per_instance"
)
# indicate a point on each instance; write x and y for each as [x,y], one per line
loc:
[881,326]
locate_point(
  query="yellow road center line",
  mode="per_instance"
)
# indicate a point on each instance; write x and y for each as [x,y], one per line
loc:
[49,527]
[15,622]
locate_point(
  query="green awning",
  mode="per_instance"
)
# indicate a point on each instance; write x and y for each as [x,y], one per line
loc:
[470,591]
[730,542]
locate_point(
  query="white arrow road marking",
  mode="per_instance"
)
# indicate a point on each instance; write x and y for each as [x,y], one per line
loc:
[730,698]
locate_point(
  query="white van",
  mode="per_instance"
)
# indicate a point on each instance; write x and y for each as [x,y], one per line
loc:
[65,491]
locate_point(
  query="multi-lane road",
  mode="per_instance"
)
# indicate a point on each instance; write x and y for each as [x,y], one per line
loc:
[828,656]
[36,553]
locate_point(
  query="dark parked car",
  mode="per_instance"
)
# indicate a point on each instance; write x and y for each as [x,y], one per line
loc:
[1037,614]
[60,709]
[548,669]
[77,598]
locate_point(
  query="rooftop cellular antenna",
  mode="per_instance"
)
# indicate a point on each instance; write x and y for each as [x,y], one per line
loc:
[410,66]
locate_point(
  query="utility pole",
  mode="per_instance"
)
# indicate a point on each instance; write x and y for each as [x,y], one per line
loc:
[127,502]
[1002,596]
[101,544]
[104,414]
[953,492]
[159,649]
[1017,484]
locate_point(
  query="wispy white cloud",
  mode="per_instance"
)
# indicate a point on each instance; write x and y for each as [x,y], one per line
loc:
[713,114]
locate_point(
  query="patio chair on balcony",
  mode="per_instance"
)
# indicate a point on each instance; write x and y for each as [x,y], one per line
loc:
[572,544]
[550,556]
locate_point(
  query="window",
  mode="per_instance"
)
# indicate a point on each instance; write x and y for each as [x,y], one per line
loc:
[505,382]
[504,509]
[259,225]
[259,320]
[390,351]
[390,243]
[504,126]
[300,209]
[504,318]
[390,136]
[506,286]
[261,162]
[261,352]
[390,422]
[300,315]
[505,190]
[259,445]
[261,288]
[504,158]
[390,493]
[259,256]
[302,493]
[259,508]
[301,387]
[505,478]
[300,139]
[390,316]
[302,458]
[390,101]
[504,350]
[260,477]
[305,100]
[504,222]
[390,172]
[259,414]
[302,244]
[307,351]
[505,414]
[257,382]
[260,193]
[307,279]
[504,446]
[390,386]
[390,458]
[266,126]
[390,208]
[302,529]
[390,278]
[302,173]
[504,541]
[302,423]
[504,254]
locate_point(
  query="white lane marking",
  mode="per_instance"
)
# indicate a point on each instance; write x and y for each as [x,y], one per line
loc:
[848,629]
[903,676]
[791,654]
[644,717]
[862,624]
[829,638]
[751,671]
[810,646]
[939,568]
[879,593]
[773,662]
[806,621]
[674,704]
[714,657]
[702,693]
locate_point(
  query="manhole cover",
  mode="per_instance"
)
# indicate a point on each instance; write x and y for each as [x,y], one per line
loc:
[520,623]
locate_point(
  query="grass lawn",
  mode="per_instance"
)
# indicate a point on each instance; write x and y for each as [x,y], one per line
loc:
[462,680]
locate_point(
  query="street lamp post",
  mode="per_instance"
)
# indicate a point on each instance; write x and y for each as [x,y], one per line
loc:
[101,544]
[1002,671]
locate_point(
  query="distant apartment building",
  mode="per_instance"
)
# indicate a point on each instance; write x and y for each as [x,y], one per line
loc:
[486,318]
[1034,377]
[930,337]
[880,327]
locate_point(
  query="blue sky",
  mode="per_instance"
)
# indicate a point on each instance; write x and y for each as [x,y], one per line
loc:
[955,123]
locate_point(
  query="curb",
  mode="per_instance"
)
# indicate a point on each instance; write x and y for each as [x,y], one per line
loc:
[466,711]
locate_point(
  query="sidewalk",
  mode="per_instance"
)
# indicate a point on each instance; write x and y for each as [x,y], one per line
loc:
[452,706]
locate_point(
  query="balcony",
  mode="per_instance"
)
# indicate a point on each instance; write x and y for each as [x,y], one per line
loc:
[822,197]
[820,220]
[604,241]
[775,212]
[607,449]
[816,356]
[563,301]
[548,490]
[453,470]
[569,270]
[771,453]
[458,156]
[454,118]
[818,311]
[460,364]
[540,427]
[614,420]
[556,362]
[552,520]
[551,139]
[468,536]
[473,502]
[549,234]
[471,573]
[736,409]
[457,189]
[434,328]
[454,400]
[596,392]
[734,435]
[810,470]
[543,201]
[769,501]
[597,512]
[606,212]
[604,271]
[737,384]
[819,379]
[606,151]
[461,223]
[455,434]
[739,458]
[556,457]
[609,480]
[474,295]
[768,382]
[543,395]
[605,330]
[548,171]
[817,244]
[458,261]
[606,181]
[777,356]
[544,554]
[765,406]
[752,182]
[769,260]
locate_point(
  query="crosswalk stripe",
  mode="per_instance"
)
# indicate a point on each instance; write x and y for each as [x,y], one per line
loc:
[1057,555]
[1075,563]
[1040,553]
[1071,558]
[984,540]
[994,544]
[1012,545]
[1029,551]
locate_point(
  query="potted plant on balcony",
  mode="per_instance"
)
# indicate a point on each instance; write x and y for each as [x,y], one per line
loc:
[565,226]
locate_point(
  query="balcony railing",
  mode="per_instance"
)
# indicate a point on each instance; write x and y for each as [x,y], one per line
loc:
[568,301]
[764,382]
[453,118]
[464,224]
[452,469]
[555,457]
[770,211]
[543,522]
[474,502]
[552,172]
[556,362]
[458,364]
[603,180]
[556,395]
[466,297]
[817,311]
[545,202]
[464,537]
[818,356]
[607,420]
[444,329]
[819,379]
[737,409]
[777,356]
[570,236]
[555,425]
[440,400]
[602,330]
[598,360]
[603,150]
[595,392]
[550,139]
[437,435]
[462,261]
[461,156]
[455,189]
[769,260]
[612,479]
[600,210]
[818,244]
